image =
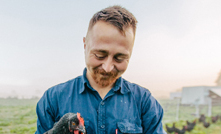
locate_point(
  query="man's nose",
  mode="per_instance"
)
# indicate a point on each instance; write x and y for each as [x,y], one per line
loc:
[108,65]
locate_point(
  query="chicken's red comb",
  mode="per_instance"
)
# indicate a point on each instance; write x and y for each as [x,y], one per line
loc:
[81,120]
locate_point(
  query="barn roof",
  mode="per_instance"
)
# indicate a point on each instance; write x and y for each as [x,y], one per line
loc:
[216,91]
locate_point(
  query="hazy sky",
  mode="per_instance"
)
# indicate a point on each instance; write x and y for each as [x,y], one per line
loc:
[178,43]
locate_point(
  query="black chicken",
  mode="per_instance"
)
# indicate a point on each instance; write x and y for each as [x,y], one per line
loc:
[202,118]
[170,130]
[69,123]
[189,128]
[206,124]
[178,131]
[191,123]
[215,118]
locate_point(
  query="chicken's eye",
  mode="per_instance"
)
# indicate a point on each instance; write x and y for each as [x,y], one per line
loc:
[73,123]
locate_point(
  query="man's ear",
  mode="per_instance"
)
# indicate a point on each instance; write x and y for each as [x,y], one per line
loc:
[84,40]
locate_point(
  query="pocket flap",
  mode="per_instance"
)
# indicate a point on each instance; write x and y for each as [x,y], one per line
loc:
[129,127]
[88,127]
[86,123]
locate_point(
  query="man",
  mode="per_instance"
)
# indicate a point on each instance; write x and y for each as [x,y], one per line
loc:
[107,102]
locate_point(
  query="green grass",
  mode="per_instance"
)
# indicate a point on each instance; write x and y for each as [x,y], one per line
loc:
[214,128]
[17,116]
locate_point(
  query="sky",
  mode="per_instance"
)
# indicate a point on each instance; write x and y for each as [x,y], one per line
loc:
[177,44]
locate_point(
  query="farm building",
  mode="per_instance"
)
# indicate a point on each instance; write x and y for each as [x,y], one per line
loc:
[200,95]
[215,95]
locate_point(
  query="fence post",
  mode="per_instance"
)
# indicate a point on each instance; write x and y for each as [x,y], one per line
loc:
[197,110]
[197,107]
[177,109]
[209,107]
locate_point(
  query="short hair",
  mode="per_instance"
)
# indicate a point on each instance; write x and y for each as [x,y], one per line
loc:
[117,16]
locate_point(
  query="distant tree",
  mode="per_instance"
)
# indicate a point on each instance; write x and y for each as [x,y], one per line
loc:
[218,80]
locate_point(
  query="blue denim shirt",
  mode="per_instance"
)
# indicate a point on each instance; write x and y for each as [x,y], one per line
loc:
[127,107]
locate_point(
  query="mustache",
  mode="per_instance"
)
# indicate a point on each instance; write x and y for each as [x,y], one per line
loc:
[103,72]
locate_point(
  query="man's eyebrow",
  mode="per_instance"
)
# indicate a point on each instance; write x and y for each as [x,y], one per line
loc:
[116,55]
[122,55]
[100,51]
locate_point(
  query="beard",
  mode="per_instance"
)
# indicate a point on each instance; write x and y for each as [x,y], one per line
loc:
[103,78]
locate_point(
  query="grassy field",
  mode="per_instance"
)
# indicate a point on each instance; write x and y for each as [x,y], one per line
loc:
[19,117]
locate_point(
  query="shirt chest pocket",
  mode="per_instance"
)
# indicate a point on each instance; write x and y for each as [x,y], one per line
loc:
[126,127]
[88,128]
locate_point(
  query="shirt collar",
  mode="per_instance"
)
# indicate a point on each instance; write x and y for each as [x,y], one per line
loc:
[117,86]
[120,85]
[85,81]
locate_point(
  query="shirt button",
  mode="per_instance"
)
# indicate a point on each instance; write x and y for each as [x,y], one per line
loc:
[102,103]
[102,126]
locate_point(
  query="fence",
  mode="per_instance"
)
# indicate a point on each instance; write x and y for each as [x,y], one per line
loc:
[175,111]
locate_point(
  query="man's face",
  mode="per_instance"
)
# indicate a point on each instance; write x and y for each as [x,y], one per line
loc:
[107,53]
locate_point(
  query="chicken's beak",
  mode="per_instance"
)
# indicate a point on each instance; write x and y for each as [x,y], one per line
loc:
[81,129]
